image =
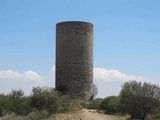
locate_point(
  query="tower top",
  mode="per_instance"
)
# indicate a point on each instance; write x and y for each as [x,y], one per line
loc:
[74,22]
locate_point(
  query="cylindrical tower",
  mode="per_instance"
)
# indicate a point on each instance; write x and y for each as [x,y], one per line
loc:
[74,59]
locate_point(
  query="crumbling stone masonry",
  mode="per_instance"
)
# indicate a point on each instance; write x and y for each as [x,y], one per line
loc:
[74,59]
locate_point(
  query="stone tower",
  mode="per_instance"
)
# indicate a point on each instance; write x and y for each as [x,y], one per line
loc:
[74,59]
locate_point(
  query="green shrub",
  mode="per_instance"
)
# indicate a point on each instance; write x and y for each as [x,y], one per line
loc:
[18,103]
[3,104]
[15,102]
[139,99]
[42,99]
[48,99]
[94,104]
[111,105]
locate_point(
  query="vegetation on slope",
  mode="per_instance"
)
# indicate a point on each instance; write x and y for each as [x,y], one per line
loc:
[139,100]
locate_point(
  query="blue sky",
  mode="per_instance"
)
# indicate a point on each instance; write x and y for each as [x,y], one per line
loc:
[126,37]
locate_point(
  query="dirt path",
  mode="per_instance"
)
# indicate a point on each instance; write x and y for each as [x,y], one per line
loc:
[86,115]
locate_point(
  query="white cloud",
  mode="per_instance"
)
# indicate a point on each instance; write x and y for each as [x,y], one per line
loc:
[10,79]
[32,75]
[109,75]
[108,81]
[9,74]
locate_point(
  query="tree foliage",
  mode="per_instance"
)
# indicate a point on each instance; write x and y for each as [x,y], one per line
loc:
[138,99]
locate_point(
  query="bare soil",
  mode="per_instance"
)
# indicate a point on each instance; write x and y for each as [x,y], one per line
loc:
[85,114]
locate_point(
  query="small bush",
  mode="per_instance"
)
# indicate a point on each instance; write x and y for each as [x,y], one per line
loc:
[3,104]
[15,102]
[48,99]
[110,105]
[94,104]
[42,99]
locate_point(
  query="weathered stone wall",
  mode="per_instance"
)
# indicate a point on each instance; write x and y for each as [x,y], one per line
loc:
[74,59]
